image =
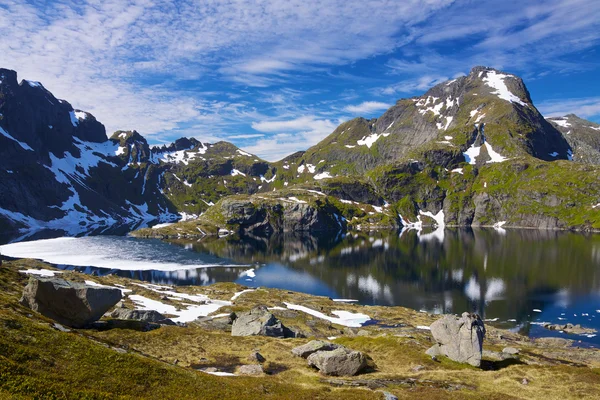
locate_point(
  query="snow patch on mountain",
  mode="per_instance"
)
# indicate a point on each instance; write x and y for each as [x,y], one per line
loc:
[322,175]
[25,146]
[495,80]
[235,172]
[369,140]
[562,122]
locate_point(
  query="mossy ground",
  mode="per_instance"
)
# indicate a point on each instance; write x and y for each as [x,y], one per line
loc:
[37,361]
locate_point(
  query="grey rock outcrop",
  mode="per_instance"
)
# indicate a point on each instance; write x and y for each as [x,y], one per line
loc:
[70,303]
[258,321]
[338,362]
[312,347]
[460,338]
[140,315]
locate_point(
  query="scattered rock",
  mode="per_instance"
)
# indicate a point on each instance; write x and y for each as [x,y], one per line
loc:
[389,396]
[256,356]
[418,368]
[525,381]
[70,303]
[338,362]
[140,315]
[460,338]
[570,328]
[252,370]
[510,350]
[258,321]
[59,327]
[312,347]
[434,351]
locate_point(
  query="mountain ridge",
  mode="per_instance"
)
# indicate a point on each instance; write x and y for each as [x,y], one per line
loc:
[425,155]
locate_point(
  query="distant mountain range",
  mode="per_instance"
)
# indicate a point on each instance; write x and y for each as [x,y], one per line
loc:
[473,151]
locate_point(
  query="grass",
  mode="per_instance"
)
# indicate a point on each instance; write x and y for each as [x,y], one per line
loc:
[37,361]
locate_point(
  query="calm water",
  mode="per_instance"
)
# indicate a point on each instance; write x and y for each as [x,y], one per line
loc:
[502,275]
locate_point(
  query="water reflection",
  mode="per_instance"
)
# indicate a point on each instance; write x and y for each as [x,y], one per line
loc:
[503,275]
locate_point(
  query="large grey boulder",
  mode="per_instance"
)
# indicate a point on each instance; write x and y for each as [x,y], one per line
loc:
[140,315]
[312,347]
[258,321]
[70,303]
[459,338]
[338,362]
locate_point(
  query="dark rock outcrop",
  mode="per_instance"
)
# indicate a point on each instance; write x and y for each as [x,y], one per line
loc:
[140,315]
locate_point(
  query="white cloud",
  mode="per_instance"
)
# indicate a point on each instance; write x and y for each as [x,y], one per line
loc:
[304,123]
[419,84]
[584,107]
[367,107]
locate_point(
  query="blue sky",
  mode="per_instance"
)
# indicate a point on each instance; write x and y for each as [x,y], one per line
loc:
[274,77]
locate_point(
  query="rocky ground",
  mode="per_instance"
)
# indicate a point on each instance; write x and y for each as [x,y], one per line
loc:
[40,358]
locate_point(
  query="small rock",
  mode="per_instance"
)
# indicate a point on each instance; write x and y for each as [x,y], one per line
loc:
[363,332]
[510,350]
[59,327]
[418,368]
[338,362]
[164,298]
[256,356]
[389,396]
[525,381]
[252,370]
[433,351]
[210,369]
[312,347]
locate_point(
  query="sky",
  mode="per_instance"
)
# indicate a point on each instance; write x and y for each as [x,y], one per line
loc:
[275,77]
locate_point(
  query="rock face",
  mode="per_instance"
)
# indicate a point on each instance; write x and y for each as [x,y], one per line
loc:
[312,347]
[140,315]
[258,321]
[459,338]
[338,362]
[570,328]
[70,303]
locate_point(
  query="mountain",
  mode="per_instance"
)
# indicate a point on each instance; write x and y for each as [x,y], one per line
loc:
[583,136]
[473,151]
[59,171]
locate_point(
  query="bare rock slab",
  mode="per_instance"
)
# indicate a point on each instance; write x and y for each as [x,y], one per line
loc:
[140,315]
[460,338]
[338,362]
[70,303]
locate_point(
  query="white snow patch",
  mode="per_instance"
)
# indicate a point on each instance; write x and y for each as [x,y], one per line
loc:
[369,140]
[238,294]
[562,122]
[8,136]
[41,272]
[495,157]
[553,154]
[158,226]
[458,170]
[263,179]
[350,146]
[344,318]
[448,137]
[191,313]
[496,81]
[423,327]
[235,172]
[322,175]
[297,200]
[244,153]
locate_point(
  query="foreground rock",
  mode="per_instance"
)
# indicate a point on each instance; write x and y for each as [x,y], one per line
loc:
[70,303]
[140,315]
[458,338]
[257,322]
[338,362]
[251,370]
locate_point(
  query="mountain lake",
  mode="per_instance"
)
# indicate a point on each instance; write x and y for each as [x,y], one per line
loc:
[515,279]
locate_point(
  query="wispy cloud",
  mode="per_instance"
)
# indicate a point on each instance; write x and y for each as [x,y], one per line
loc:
[584,107]
[218,69]
[367,107]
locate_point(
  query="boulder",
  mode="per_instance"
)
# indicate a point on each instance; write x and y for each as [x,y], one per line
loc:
[312,347]
[258,321]
[460,338]
[70,303]
[338,362]
[140,315]
[252,370]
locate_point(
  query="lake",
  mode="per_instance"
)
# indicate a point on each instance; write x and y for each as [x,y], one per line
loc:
[515,279]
